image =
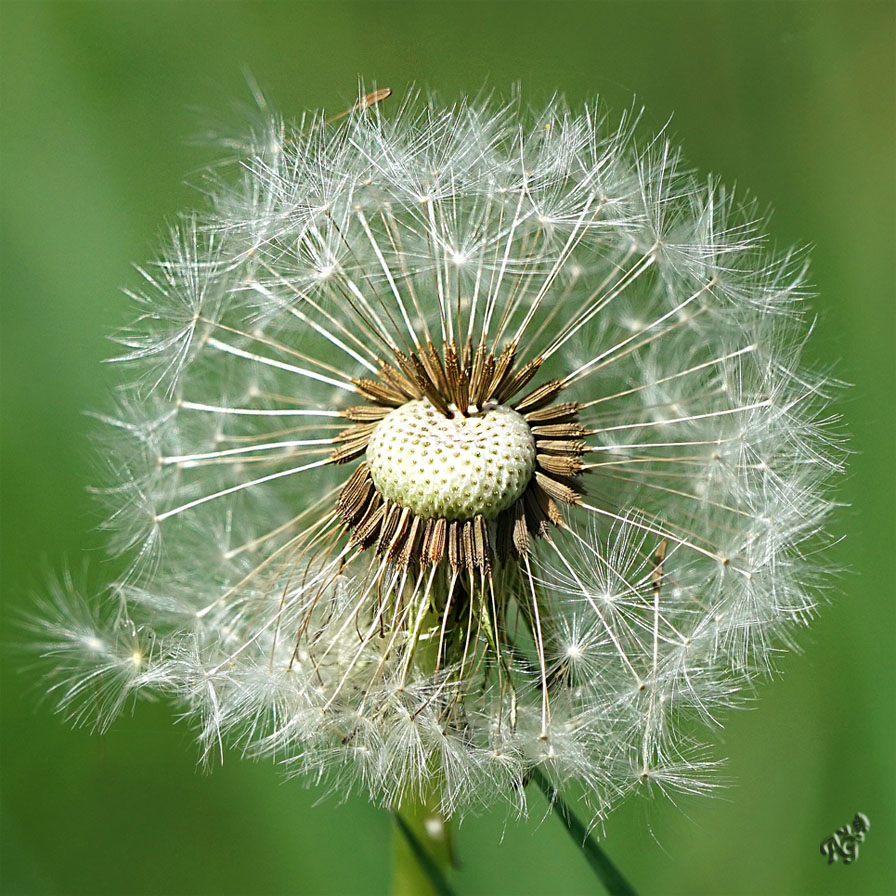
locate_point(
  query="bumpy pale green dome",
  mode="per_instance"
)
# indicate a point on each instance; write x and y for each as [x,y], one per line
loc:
[453,467]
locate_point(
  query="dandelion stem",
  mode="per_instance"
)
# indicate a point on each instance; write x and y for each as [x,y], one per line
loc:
[422,852]
[609,875]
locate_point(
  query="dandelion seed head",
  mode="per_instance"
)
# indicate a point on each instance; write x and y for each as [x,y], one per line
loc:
[451,441]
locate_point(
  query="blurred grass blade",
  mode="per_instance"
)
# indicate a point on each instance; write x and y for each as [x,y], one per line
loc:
[609,875]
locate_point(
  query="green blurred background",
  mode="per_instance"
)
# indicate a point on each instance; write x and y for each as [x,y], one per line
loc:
[794,101]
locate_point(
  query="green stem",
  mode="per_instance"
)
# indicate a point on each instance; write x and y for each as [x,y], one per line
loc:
[422,852]
[422,855]
[609,875]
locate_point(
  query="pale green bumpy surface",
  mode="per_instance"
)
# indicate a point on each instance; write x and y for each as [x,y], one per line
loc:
[455,467]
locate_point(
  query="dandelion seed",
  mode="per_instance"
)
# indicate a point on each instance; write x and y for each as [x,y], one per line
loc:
[455,442]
